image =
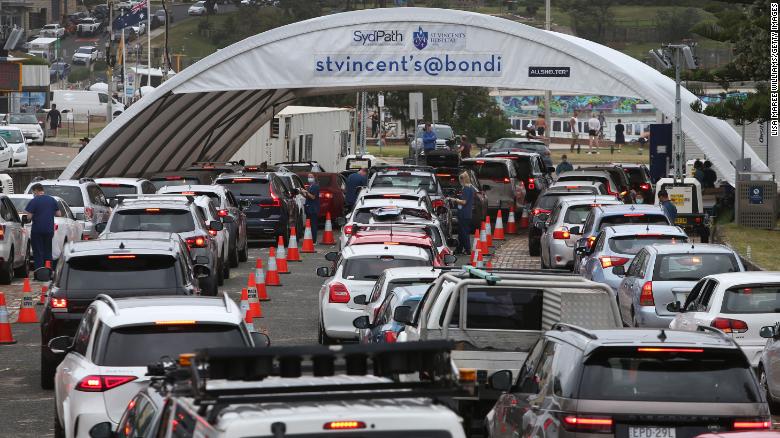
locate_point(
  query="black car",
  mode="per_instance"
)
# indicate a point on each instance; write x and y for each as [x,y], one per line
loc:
[213,169]
[179,178]
[641,183]
[618,174]
[271,209]
[531,169]
[156,264]
[541,211]
[449,181]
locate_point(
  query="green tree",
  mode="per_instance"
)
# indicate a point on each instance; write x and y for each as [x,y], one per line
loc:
[590,18]
[674,26]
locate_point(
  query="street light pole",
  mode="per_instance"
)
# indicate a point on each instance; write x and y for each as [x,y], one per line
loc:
[678,165]
[109,63]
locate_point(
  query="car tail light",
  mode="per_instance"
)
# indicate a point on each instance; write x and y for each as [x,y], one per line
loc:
[751,424]
[646,297]
[633,215]
[338,293]
[504,180]
[591,241]
[391,195]
[437,203]
[326,195]
[86,236]
[612,261]
[729,325]
[59,303]
[697,220]
[213,232]
[480,161]
[241,180]
[172,178]
[348,229]
[197,242]
[390,336]
[275,201]
[152,210]
[531,184]
[2,232]
[88,213]
[222,213]
[95,383]
[344,425]
[56,227]
[123,256]
[537,211]
[644,186]
[587,424]
[669,350]
[561,234]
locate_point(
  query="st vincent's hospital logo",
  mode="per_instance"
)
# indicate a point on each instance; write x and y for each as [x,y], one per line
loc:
[420,38]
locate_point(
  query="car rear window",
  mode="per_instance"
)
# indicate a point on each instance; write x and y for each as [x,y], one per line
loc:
[577,177]
[364,215]
[488,169]
[247,186]
[548,201]
[112,190]
[153,219]
[502,309]
[142,345]
[448,180]
[20,203]
[576,214]
[632,244]
[121,271]
[400,181]
[635,175]
[369,268]
[174,181]
[633,374]
[692,267]
[633,218]
[70,194]
[754,299]
[324,180]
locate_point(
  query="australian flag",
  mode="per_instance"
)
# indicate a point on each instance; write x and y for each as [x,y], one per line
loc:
[136,15]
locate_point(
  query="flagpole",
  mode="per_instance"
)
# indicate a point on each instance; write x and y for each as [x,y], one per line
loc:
[124,69]
[148,42]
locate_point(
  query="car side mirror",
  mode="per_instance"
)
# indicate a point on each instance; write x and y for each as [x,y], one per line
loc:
[575,230]
[360,299]
[340,222]
[620,271]
[485,187]
[673,307]
[551,169]
[201,260]
[767,332]
[60,344]
[102,430]
[100,227]
[43,274]
[25,219]
[260,340]
[201,271]
[216,226]
[450,259]
[332,256]
[361,322]
[228,219]
[323,271]
[403,314]
[452,242]
[501,380]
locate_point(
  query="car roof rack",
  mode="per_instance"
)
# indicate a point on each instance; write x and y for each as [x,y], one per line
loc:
[83,180]
[401,227]
[109,301]
[226,299]
[251,366]
[154,196]
[562,327]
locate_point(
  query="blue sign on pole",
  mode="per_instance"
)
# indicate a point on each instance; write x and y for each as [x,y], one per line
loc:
[756,195]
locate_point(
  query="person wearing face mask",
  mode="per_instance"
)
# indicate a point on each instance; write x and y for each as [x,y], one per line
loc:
[312,206]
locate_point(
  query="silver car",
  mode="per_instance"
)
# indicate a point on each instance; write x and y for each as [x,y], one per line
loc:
[557,243]
[616,246]
[84,197]
[661,274]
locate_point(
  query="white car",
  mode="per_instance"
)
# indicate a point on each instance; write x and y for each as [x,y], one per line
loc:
[14,243]
[113,187]
[738,303]
[6,154]
[29,125]
[221,237]
[66,227]
[139,29]
[85,55]
[393,278]
[105,363]
[388,208]
[53,31]
[14,137]
[356,270]
[199,8]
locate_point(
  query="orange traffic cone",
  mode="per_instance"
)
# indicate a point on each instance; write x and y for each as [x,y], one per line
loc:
[272,278]
[489,264]
[483,244]
[308,243]
[254,305]
[292,247]
[489,231]
[6,337]
[475,256]
[524,219]
[243,303]
[281,257]
[511,225]
[248,320]
[259,279]
[327,236]
[498,233]
[480,261]
[42,297]
[475,240]
[27,311]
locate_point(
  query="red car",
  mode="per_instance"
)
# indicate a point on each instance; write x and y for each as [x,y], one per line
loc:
[332,186]
[419,239]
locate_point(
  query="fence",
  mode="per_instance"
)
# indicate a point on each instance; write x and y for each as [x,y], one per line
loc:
[23,176]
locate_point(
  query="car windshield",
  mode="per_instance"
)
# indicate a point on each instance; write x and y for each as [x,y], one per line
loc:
[70,194]
[12,135]
[369,268]
[502,309]
[138,346]
[492,170]
[22,119]
[123,271]
[753,299]
[85,50]
[633,218]
[174,181]
[630,374]
[692,267]
[246,186]
[20,203]
[153,219]
[400,181]
[635,175]
[577,177]
[632,244]
[442,131]
[112,190]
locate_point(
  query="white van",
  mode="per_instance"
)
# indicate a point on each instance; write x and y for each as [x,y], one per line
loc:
[82,103]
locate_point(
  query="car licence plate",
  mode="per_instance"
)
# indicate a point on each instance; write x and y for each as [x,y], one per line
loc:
[681,220]
[651,432]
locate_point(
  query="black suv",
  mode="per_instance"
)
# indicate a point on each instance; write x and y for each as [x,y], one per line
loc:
[137,264]
[270,208]
[629,383]
[531,169]
[180,178]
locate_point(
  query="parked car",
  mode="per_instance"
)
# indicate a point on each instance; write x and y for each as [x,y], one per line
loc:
[29,124]
[14,243]
[293,184]
[89,26]
[52,31]
[199,8]
[661,274]
[301,167]
[85,55]
[449,180]
[84,197]
[66,227]
[7,152]
[385,329]
[14,138]
[59,70]
[540,212]
[500,180]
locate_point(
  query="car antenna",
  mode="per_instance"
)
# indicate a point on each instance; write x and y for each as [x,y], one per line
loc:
[662,336]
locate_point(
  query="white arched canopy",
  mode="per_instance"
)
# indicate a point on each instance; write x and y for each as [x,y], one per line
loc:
[206,112]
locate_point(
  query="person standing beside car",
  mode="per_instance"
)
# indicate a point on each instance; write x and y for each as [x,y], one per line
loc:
[354,183]
[42,209]
[465,208]
[312,205]
[669,208]
[428,139]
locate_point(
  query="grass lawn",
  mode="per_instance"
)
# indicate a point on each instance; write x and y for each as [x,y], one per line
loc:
[629,154]
[644,16]
[184,38]
[763,244]
[396,151]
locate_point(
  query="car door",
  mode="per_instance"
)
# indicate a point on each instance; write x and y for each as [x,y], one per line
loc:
[539,401]
[75,228]
[591,261]
[628,289]
[14,229]
[695,307]
[75,365]
[772,365]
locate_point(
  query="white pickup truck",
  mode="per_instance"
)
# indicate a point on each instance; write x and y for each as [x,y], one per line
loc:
[502,316]
[88,26]
[53,31]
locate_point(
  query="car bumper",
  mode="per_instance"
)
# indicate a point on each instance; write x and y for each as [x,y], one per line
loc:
[265,227]
[337,321]
[20,157]
[561,254]
[35,136]
[83,411]
[83,61]
[646,316]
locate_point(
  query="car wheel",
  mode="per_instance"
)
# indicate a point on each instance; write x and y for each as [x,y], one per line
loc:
[10,162]
[7,270]
[220,274]
[243,254]
[534,249]
[323,338]
[47,373]
[59,431]
[23,271]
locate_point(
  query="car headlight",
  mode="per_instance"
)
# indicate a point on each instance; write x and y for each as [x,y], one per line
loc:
[21,148]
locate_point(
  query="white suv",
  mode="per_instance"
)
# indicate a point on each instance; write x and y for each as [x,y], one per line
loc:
[106,362]
[14,243]
[356,270]
[84,197]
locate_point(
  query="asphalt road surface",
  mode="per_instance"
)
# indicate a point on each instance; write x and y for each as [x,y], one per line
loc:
[50,156]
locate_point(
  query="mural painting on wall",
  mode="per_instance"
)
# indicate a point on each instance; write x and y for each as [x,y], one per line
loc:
[514,105]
